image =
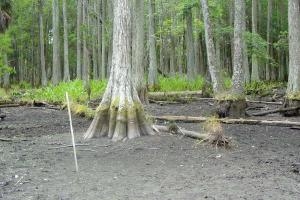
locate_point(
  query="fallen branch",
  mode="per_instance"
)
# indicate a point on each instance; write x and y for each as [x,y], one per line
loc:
[279,110]
[179,93]
[264,102]
[189,119]
[10,105]
[6,140]
[67,146]
[215,138]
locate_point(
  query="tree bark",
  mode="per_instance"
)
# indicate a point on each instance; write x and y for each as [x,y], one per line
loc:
[94,43]
[269,39]
[238,71]
[152,78]
[190,51]
[66,44]
[294,46]
[79,45]
[120,115]
[138,42]
[42,46]
[255,70]
[103,50]
[56,69]
[214,69]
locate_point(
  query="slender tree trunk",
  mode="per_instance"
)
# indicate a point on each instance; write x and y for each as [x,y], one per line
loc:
[99,38]
[6,77]
[85,66]
[66,44]
[103,51]
[79,45]
[152,78]
[246,68]
[214,69]
[255,70]
[294,46]
[56,69]
[238,72]
[173,47]
[94,43]
[138,49]
[42,46]
[190,46]
[120,115]
[269,39]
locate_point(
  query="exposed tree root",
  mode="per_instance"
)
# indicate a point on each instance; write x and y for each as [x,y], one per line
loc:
[279,110]
[214,137]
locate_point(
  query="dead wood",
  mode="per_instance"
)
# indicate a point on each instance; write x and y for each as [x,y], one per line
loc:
[279,110]
[215,138]
[10,105]
[190,119]
[6,140]
[179,93]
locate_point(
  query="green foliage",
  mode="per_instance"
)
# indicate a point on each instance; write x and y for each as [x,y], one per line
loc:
[262,88]
[178,83]
[75,90]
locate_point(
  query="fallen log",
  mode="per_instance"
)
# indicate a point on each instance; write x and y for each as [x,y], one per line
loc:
[215,138]
[178,93]
[279,110]
[189,119]
[9,105]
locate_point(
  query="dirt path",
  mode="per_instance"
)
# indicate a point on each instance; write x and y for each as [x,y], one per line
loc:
[158,167]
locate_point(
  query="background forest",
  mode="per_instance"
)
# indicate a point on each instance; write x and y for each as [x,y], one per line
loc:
[49,42]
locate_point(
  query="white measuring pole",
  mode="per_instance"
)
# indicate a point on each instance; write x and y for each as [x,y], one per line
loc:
[72,132]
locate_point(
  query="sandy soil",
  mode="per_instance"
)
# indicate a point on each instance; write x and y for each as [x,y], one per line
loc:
[34,165]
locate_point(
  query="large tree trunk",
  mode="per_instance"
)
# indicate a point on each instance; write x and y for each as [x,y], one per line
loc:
[255,71]
[56,69]
[66,44]
[294,47]
[120,115]
[214,69]
[42,46]
[79,46]
[190,51]
[152,78]
[138,50]
[238,72]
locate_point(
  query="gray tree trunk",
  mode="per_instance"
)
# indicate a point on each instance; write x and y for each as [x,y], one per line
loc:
[120,115]
[269,39]
[255,70]
[138,41]
[94,43]
[103,50]
[85,66]
[99,38]
[56,69]
[294,46]
[190,51]
[152,78]
[6,76]
[79,45]
[247,78]
[214,69]
[66,44]
[42,46]
[238,72]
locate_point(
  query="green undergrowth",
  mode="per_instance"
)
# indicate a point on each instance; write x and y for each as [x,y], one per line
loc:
[56,94]
[179,83]
[263,88]
[294,96]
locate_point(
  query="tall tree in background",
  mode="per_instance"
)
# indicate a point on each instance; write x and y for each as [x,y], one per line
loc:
[214,69]
[138,42]
[66,44]
[5,7]
[103,50]
[42,46]
[152,78]
[255,70]
[120,115]
[190,51]
[79,45]
[294,47]
[269,40]
[238,59]
[56,68]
